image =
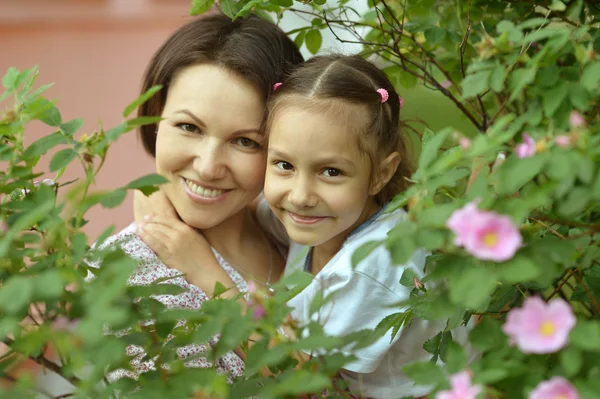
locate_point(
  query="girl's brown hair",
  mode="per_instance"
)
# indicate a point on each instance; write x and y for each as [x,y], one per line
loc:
[353,80]
[252,47]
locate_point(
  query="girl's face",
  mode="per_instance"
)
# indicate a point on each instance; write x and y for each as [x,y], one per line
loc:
[317,181]
[209,145]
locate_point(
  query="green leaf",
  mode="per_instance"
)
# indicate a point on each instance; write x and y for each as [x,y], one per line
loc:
[50,114]
[487,335]
[591,76]
[42,145]
[71,127]
[48,285]
[408,278]
[283,3]
[575,202]
[299,39]
[140,100]
[596,187]
[229,8]
[313,40]
[62,158]
[425,373]
[114,198]
[201,6]
[571,361]
[364,250]
[519,79]
[401,242]
[553,98]
[9,80]
[497,78]
[15,294]
[514,173]
[456,357]
[434,35]
[518,269]
[394,321]
[473,287]
[586,335]
[476,83]
[431,144]
[149,180]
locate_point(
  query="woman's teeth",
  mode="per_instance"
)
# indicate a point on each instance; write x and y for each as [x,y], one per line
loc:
[203,191]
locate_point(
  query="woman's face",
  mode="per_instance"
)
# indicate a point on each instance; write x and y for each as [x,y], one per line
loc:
[209,145]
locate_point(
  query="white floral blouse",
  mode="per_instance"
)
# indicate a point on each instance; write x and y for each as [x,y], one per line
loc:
[150,269]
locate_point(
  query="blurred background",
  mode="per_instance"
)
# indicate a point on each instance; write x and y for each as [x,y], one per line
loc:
[96,51]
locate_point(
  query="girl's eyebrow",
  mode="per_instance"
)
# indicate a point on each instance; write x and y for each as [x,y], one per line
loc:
[203,125]
[322,161]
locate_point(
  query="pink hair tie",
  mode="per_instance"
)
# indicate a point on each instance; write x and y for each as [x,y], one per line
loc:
[384,94]
[277,85]
[401,100]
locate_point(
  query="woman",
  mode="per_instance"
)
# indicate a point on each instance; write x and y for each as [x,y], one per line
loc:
[216,75]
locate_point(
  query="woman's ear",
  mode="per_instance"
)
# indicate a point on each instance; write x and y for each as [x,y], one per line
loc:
[385,172]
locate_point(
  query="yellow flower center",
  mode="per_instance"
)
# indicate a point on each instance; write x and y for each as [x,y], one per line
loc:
[547,328]
[561,397]
[490,239]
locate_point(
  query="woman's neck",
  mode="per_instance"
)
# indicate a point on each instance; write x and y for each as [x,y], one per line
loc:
[323,253]
[228,236]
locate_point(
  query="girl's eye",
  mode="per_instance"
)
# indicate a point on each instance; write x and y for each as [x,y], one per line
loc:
[247,143]
[332,172]
[284,165]
[188,127]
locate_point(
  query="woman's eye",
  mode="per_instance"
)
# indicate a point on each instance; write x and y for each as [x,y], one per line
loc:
[188,127]
[284,165]
[332,172]
[247,143]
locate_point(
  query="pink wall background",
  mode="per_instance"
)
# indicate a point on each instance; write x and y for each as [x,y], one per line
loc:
[95,51]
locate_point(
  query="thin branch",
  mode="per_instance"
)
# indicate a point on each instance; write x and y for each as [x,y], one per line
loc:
[564,281]
[42,361]
[588,292]
[463,43]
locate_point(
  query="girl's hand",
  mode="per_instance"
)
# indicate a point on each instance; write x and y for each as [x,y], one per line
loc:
[157,203]
[183,248]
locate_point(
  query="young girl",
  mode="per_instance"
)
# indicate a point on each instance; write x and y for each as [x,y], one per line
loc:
[335,159]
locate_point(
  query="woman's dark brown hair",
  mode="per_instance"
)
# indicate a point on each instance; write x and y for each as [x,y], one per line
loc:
[351,80]
[252,47]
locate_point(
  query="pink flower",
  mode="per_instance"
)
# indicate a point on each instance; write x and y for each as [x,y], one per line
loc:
[401,100]
[540,327]
[259,312]
[554,388]
[418,283]
[48,182]
[461,388]
[484,234]
[446,83]
[464,142]
[527,148]
[576,120]
[36,183]
[563,141]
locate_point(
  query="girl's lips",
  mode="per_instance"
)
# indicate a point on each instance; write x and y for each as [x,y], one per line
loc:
[305,219]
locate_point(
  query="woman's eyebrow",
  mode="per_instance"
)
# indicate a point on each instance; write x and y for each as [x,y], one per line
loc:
[203,125]
[191,115]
